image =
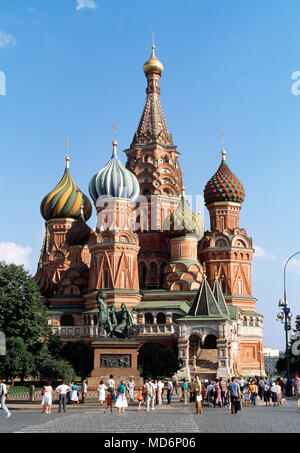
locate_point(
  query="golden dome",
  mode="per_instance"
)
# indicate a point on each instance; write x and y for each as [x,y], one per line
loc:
[153,64]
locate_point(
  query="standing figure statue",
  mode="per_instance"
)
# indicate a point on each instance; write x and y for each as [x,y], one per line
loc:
[112,318]
[125,322]
[102,315]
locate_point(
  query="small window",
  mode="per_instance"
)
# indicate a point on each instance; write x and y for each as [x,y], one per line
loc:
[161,318]
[148,318]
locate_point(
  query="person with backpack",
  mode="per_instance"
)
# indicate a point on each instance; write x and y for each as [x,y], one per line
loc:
[235,395]
[3,394]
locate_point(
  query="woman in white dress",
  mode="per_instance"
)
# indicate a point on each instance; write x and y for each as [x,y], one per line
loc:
[47,398]
[121,403]
[74,395]
[101,392]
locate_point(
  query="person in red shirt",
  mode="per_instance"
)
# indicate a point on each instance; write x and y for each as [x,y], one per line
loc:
[108,403]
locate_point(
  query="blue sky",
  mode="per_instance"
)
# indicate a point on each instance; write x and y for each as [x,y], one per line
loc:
[73,68]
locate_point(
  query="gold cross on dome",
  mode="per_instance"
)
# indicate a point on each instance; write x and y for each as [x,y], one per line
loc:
[68,143]
[153,39]
[115,129]
[222,140]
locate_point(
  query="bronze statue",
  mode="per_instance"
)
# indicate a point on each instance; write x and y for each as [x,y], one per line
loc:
[125,323]
[102,315]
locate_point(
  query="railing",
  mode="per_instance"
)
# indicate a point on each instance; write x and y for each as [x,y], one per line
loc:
[157,329]
[92,331]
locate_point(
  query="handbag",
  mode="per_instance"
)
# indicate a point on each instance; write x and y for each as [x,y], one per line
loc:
[43,391]
[199,398]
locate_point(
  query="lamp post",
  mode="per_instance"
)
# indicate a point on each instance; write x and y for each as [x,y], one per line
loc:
[285,316]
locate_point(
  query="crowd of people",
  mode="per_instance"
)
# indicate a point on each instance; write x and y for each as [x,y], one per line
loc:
[231,394]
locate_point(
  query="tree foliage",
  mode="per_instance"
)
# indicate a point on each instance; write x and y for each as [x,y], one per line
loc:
[80,355]
[22,312]
[155,360]
[18,361]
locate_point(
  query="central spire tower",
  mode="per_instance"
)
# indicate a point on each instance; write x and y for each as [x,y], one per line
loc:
[153,159]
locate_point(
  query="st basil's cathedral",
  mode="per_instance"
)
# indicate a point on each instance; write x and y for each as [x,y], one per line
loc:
[188,289]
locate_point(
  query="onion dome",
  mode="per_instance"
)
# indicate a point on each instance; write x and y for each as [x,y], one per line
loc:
[153,64]
[45,285]
[224,186]
[65,200]
[185,221]
[79,233]
[114,180]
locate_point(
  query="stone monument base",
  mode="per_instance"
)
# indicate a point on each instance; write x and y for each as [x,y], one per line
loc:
[117,357]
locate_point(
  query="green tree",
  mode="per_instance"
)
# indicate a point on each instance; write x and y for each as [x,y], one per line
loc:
[22,312]
[80,355]
[18,361]
[57,369]
[155,360]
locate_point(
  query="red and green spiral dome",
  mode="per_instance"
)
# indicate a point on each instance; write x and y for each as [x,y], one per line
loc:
[224,186]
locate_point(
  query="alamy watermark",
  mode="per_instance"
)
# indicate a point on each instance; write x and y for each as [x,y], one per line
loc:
[2,343]
[296,84]
[2,84]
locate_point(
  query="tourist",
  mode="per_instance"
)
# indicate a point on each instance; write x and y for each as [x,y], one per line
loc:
[280,383]
[228,399]
[279,392]
[235,395]
[247,395]
[192,391]
[83,391]
[253,391]
[185,387]
[274,394]
[75,391]
[199,397]
[150,394]
[296,390]
[108,403]
[169,391]
[130,388]
[111,387]
[101,392]
[215,384]
[241,383]
[47,398]
[160,389]
[139,395]
[3,393]
[210,394]
[284,380]
[62,390]
[121,402]
[223,387]
[175,384]
[219,396]
[155,385]
[267,393]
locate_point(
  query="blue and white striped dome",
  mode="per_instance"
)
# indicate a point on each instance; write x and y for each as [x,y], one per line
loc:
[114,180]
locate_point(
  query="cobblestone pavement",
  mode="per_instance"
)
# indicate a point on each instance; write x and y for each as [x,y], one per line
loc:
[163,420]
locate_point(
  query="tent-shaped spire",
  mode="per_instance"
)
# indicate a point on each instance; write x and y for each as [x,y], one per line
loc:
[219,296]
[205,303]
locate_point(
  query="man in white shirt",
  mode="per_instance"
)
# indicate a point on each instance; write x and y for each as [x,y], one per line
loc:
[111,387]
[130,387]
[160,386]
[83,391]
[150,394]
[62,390]
[169,391]
[3,394]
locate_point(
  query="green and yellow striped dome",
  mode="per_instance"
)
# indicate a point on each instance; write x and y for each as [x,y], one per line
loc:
[65,200]
[185,221]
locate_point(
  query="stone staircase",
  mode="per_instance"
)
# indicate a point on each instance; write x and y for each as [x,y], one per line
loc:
[207,364]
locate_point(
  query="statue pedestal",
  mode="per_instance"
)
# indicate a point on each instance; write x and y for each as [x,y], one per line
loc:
[117,357]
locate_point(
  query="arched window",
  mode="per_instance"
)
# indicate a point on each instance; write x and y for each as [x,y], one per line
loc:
[105,278]
[240,286]
[245,322]
[257,322]
[153,268]
[142,274]
[95,318]
[161,318]
[223,284]
[148,318]
[123,280]
[67,320]
[176,316]
[222,222]
[251,322]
